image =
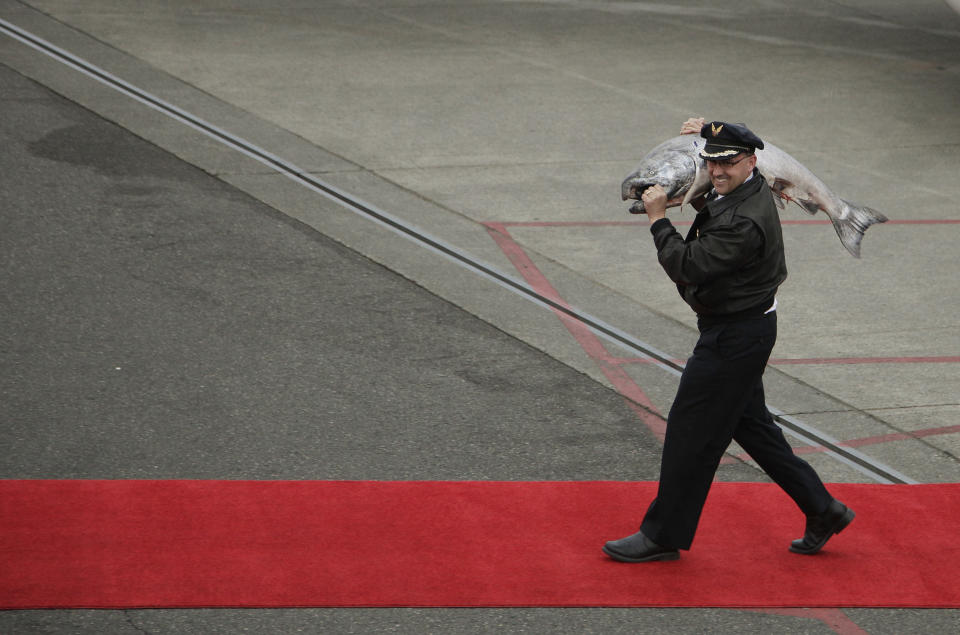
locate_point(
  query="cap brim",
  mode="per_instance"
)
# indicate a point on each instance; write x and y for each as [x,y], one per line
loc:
[722,152]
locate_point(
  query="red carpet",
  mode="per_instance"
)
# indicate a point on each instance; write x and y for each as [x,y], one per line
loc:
[121,544]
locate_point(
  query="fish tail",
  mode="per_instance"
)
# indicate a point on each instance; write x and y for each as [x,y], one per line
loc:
[855,221]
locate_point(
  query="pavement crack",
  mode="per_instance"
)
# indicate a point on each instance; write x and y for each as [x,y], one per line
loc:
[917,407]
[133,625]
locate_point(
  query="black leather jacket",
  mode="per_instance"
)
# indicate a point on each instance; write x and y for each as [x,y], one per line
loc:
[732,260]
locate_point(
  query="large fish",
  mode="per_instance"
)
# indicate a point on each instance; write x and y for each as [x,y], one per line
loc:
[676,166]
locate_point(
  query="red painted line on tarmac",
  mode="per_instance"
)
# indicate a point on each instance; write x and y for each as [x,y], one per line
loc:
[785,221]
[535,278]
[780,361]
[835,619]
[590,343]
[638,360]
[900,436]
[874,440]
[931,431]
[637,400]
[948,359]
[925,221]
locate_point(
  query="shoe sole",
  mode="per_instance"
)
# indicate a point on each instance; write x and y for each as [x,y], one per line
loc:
[845,520]
[665,555]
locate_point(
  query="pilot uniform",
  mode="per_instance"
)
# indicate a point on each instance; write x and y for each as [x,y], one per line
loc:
[728,269]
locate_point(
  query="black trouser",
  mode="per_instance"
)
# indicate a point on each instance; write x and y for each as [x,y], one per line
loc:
[721,398]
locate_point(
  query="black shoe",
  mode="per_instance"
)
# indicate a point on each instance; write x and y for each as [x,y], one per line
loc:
[821,528]
[638,548]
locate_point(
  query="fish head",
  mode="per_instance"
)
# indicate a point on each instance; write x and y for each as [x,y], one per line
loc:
[675,166]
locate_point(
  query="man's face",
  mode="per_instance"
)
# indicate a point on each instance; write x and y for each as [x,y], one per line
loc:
[728,174]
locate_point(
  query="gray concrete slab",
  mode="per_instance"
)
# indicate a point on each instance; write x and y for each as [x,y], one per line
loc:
[437,621]
[161,324]
[516,123]
[485,187]
[454,116]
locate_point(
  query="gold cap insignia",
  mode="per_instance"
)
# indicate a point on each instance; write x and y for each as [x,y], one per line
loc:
[715,130]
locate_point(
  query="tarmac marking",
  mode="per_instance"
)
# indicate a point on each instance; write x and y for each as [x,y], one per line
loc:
[816,441]
[783,221]
[915,359]
[590,343]
[869,360]
[835,619]
[901,436]
[875,440]
[777,361]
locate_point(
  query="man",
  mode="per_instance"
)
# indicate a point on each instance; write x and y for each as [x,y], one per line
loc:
[727,269]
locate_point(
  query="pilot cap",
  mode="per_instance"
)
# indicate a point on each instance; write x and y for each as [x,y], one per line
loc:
[727,139]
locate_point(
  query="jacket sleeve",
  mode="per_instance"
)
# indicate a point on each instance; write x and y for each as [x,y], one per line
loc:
[717,252]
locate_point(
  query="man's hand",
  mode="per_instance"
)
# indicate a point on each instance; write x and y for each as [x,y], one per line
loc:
[692,125]
[654,202]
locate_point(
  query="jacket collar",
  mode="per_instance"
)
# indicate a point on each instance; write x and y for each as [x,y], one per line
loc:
[744,190]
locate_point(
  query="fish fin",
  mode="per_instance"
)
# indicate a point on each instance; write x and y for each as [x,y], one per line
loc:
[687,198]
[700,185]
[810,207]
[780,201]
[855,221]
[780,197]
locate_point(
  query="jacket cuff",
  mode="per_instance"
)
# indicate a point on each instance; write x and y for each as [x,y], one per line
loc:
[660,224]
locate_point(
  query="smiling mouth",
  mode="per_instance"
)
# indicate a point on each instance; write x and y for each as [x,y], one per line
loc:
[719,182]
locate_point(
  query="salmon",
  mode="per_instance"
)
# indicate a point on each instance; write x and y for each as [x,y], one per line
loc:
[676,166]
